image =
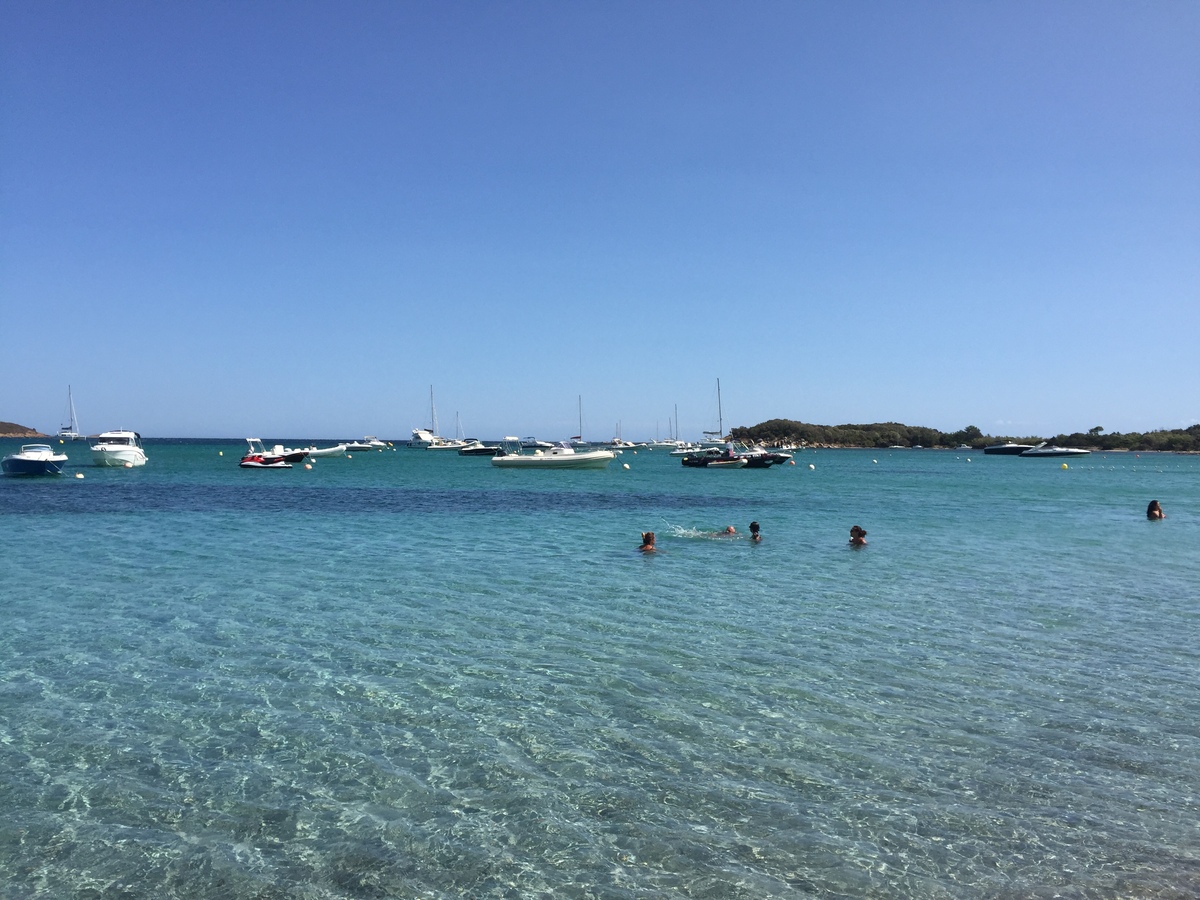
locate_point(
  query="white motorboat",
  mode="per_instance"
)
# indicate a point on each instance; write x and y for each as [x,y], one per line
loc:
[478,448]
[532,443]
[34,459]
[120,449]
[1047,451]
[370,442]
[258,457]
[558,456]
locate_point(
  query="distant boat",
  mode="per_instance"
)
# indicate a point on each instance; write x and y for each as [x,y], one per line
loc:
[370,442]
[1007,449]
[318,453]
[716,438]
[478,448]
[254,461]
[532,443]
[428,438]
[455,443]
[735,455]
[258,457]
[289,454]
[34,459]
[119,449]
[1047,451]
[70,431]
[558,456]
[715,458]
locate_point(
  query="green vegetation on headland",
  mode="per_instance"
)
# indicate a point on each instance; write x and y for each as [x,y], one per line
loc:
[891,434]
[12,430]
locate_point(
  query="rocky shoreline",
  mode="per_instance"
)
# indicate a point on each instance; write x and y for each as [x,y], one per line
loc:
[12,430]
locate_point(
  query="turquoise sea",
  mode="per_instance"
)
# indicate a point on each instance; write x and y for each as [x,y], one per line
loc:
[409,674]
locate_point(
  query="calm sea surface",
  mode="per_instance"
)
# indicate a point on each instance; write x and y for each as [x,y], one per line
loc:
[409,674]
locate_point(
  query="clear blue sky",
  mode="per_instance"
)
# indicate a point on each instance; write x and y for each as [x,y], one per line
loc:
[293,219]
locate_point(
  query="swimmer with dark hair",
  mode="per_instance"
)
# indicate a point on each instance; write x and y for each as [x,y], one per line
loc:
[858,536]
[648,542]
[1154,511]
[754,535]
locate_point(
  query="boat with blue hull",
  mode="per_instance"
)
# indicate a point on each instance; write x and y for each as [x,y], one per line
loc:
[34,459]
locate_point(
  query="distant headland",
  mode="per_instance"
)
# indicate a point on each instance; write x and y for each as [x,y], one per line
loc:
[776,432]
[12,430]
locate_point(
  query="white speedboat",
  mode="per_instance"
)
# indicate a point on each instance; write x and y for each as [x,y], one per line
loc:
[370,442]
[478,448]
[559,456]
[258,457]
[532,443]
[121,449]
[1045,450]
[34,459]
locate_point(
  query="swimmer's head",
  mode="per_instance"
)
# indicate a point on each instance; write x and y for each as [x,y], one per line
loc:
[729,529]
[754,528]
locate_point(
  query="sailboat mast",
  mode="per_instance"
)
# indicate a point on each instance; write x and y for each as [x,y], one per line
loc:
[433,410]
[720,416]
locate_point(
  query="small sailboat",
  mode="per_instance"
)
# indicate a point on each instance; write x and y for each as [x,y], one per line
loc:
[577,439]
[70,431]
[716,438]
[430,439]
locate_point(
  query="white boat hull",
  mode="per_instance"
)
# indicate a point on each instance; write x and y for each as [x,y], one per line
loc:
[592,459]
[339,450]
[1054,452]
[118,457]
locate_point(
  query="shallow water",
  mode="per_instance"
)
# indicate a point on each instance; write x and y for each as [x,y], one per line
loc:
[409,674]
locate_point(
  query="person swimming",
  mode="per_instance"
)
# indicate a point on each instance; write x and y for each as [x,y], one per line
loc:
[754,535]
[648,542]
[1154,511]
[858,536]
